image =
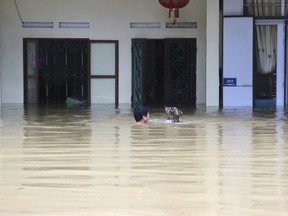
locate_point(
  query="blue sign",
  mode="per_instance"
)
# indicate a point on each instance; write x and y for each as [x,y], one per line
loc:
[230,82]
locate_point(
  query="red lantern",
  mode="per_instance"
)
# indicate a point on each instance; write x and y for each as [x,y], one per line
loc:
[173,6]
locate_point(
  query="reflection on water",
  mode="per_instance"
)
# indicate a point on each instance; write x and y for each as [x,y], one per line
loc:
[96,161]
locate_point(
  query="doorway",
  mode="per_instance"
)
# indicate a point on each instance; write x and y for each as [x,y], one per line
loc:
[71,71]
[265,79]
[164,72]
[55,70]
[269,73]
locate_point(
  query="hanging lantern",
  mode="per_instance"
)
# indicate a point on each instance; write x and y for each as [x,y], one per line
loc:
[173,6]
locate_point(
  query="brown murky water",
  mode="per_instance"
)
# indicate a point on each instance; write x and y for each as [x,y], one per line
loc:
[80,161]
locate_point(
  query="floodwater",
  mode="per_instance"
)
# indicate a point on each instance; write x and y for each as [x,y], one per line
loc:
[96,161]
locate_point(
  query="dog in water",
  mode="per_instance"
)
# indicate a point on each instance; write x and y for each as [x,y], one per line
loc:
[173,113]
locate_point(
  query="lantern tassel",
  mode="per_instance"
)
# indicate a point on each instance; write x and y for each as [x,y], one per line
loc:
[175,12]
[174,6]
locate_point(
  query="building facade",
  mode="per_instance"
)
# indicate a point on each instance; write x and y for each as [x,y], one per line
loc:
[84,49]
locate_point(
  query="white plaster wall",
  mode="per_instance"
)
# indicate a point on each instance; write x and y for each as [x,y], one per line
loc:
[233,7]
[280,88]
[109,19]
[238,60]
[212,53]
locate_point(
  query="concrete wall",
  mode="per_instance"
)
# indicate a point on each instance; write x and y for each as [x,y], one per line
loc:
[212,53]
[109,19]
[233,7]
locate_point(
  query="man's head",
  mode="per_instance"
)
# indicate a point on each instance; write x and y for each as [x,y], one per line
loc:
[141,114]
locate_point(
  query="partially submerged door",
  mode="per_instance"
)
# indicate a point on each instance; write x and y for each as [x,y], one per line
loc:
[164,72]
[104,72]
[55,71]
[180,69]
[138,46]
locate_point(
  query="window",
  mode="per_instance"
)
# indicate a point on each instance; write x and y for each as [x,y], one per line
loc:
[265,8]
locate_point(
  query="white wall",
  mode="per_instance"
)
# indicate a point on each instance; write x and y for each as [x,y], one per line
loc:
[233,7]
[280,84]
[212,53]
[238,61]
[109,19]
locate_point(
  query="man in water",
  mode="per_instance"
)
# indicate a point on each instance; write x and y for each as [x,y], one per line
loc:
[141,115]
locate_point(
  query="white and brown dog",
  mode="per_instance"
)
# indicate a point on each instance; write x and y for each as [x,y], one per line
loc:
[173,113]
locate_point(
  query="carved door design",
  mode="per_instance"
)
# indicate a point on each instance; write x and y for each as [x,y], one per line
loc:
[164,72]
[55,69]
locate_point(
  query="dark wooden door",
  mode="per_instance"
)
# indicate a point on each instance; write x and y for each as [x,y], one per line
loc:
[138,71]
[55,69]
[164,72]
[180,69]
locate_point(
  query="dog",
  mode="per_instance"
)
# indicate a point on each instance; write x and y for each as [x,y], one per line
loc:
[173,113]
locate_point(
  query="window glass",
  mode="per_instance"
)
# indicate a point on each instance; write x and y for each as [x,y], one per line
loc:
[262,8]
[103,59]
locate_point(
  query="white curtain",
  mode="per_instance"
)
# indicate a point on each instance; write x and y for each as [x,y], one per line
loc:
[266,8]
[266,35]
[266,48]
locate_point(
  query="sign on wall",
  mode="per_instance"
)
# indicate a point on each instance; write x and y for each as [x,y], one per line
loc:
[238,61]
[229,81]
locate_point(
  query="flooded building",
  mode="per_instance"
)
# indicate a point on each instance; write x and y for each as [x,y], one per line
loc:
[72,72]
[86,50]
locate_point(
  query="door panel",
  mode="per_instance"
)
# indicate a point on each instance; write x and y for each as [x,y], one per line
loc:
[180,69]
[55,70]
[103,59]
[102,91]
[164,72]
[30,72]
[104,72]
[138,50]
[63,70]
